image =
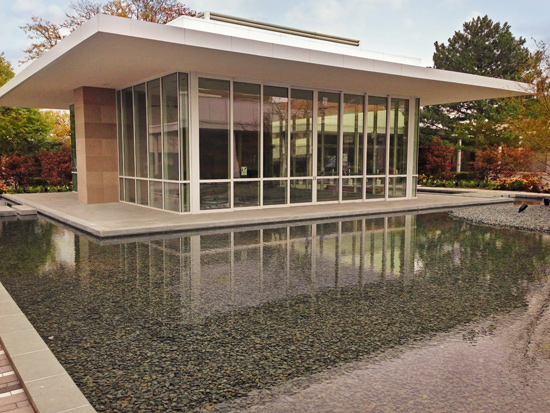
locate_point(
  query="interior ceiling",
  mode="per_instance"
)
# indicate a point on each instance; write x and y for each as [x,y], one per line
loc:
[114,61]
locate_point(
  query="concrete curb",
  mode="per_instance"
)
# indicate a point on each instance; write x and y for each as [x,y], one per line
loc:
[482,192]
[278,215]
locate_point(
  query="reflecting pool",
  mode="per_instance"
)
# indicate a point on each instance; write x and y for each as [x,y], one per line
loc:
[183,322]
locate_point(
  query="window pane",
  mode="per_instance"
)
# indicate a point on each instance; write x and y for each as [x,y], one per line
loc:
[301,137]
[352,157]
[142,192]
[214,129]
[416,132]
[399,129]
[128,132]
[170,127]
[376,136]
[352,188]
[185,198]
[155,194]
[172,197]
[140,126]
[398,187]
[129,190]
[184,125]
[328,163]
[121,189]
[375,188]
[274,192]
[275,129]
[155,144]
[246,194]
[327,189]
[215,196]
[119,133]
[301,190]
[414,185]
[246,129]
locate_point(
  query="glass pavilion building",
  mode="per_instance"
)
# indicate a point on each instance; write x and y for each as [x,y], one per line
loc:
[220,113]
[260,145]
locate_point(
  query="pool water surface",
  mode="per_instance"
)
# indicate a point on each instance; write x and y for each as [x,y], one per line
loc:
[228,320]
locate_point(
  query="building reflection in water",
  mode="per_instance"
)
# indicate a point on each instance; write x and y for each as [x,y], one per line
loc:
[221,271]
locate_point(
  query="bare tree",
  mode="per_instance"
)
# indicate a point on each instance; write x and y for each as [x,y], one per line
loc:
[47,34]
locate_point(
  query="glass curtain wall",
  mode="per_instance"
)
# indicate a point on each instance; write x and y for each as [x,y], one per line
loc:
[375,186]
[352,155]
[301,146]
[415,146]
[246,144]
[214,127]
[257,145]
[140,128]
[128,150]
[275,142]
[214,147]
[73,148]
[152,127]
[328,146]
[398,149]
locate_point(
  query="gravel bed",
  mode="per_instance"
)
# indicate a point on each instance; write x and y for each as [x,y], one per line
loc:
[534,218]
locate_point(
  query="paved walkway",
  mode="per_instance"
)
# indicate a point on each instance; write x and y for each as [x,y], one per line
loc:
[13,398]
[119,219]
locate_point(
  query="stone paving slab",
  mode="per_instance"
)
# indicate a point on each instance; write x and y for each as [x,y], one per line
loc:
[13,398]
[6,211]
[120,219]
[24,210]
[45,382]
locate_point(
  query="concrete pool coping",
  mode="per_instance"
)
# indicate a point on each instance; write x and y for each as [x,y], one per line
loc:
[47,384]
[119,219]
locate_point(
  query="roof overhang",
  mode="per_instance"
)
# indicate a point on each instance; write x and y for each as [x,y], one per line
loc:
[114,52]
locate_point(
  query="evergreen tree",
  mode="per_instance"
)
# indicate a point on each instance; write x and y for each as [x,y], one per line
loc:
[484,48]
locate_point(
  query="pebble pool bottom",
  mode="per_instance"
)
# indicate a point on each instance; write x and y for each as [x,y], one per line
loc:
[208,320]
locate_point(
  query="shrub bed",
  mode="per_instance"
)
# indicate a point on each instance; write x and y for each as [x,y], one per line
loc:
[528,183]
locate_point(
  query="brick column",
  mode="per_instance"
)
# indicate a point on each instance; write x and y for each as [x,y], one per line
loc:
[96,145]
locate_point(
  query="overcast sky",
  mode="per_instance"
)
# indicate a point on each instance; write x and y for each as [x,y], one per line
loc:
[402,27]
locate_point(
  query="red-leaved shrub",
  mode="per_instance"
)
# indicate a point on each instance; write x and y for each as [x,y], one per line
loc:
[438,160]
[501,162]
[55,167]
[17,170]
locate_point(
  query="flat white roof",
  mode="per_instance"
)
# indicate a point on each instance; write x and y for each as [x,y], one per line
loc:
[114,52]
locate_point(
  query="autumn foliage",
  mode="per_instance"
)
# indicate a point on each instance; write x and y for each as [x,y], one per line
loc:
[18,170]
[501,162]
[437,160]
[53,168]
[46,34]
